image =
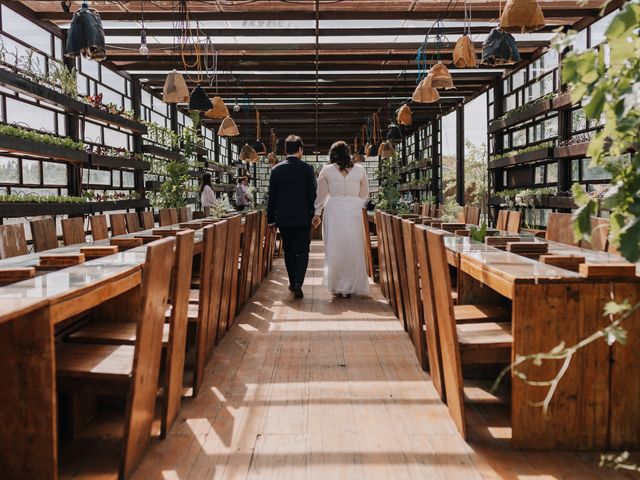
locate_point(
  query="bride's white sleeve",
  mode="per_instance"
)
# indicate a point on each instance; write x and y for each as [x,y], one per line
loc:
[322,193]
[364,187]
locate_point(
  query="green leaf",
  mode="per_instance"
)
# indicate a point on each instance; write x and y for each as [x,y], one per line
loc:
[615,308]
[582,219]
[593,109]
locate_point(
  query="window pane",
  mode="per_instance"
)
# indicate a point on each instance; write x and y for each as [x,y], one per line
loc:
[99,177]
[25,30]
[9,170]
[54,173]
[127,180]
[116,178]
[31,171]
[30,116]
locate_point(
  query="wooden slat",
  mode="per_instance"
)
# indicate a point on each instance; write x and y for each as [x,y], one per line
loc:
[147,220]
[560,228]
[133,222]
[607,269]
[515,222]
[73,231]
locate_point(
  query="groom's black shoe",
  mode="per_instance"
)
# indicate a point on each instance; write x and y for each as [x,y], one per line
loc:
[297,291]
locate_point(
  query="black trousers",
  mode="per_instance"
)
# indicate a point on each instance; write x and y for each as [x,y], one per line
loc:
[296,241]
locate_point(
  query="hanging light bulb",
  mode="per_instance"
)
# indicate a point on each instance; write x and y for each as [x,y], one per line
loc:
[236,107]
[144,49]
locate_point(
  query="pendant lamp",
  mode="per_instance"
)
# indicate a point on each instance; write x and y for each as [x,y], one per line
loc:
[386,150]
[248,154]
[259,147]
[199,99]
[404,115]
[394,132]
[500,49]
[219,109]
[464,54]
[522,16]
[86,35]
[424,92]
[228,128]
[440,77]
[175,89]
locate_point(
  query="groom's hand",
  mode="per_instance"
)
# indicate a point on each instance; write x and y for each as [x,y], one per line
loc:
[316,221]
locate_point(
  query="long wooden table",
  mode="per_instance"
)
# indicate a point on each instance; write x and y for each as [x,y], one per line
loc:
[29,312]
[597,402]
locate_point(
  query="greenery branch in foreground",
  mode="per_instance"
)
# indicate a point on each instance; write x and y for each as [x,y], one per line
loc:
[607,80]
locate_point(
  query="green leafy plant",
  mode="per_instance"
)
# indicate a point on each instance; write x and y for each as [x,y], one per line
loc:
[20,132]
[527,105]
[519,151]
[33,198]
[609,87]
[478,234]
[174,191]
[388,198]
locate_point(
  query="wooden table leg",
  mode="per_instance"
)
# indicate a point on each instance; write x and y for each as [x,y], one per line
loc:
[28,438]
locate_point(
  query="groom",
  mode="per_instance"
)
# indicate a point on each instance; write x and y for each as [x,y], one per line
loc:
[292,192]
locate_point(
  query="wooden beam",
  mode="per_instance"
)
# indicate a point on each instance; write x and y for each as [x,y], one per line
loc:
[480,14]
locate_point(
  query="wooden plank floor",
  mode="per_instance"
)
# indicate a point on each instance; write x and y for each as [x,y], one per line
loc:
[322,388]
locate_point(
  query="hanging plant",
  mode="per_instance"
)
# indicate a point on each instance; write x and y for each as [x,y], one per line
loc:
[86,35]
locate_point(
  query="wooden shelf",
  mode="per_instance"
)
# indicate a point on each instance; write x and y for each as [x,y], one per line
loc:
[29,209]
[413,168]
[562,203]
[533,111]
[577,150]
[98,207]
[162,152]
[224,187]
[118,162]
[522,158]
[24,146]
[114,119]
[21,84]
[562,101]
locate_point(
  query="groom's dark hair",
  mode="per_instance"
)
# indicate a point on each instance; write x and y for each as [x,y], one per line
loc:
[292,144]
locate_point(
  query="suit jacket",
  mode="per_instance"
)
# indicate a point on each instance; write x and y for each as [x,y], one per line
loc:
[292,193]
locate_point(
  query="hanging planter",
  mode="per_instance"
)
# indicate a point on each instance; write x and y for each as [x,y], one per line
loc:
[228,128]
[199,99]
[394,133]
[464,54]
[424,92]
[219,109]
[175,89]
[404,115]
[440,77]
[500,49]
[386,150]
[248,154]
[522,16]
[86,35]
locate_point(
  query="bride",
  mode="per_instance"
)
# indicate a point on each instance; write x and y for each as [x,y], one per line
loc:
[343,189]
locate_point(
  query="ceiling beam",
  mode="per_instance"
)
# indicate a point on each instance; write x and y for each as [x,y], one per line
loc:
[480,14]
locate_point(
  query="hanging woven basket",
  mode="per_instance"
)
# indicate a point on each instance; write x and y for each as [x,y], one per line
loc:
[175,89]
[500,49]
[522,16]
[199,99]
[86,35]
[424,92]
[228,128]
[440,77]
[464,54]
[403,115]
[248,154]
[386,150]
[219,109]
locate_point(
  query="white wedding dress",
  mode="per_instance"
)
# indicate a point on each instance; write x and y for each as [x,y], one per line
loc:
[342,198]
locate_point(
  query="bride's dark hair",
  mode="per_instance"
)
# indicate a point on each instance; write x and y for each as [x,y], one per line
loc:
[339,153]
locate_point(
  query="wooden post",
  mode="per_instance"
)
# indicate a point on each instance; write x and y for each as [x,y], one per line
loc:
[72,127]
[460,190]
[136,100]
[435,159]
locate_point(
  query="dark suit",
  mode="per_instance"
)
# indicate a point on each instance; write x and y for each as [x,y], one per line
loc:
[292,193]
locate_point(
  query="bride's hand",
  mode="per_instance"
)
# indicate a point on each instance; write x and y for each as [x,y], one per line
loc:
[316,221]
